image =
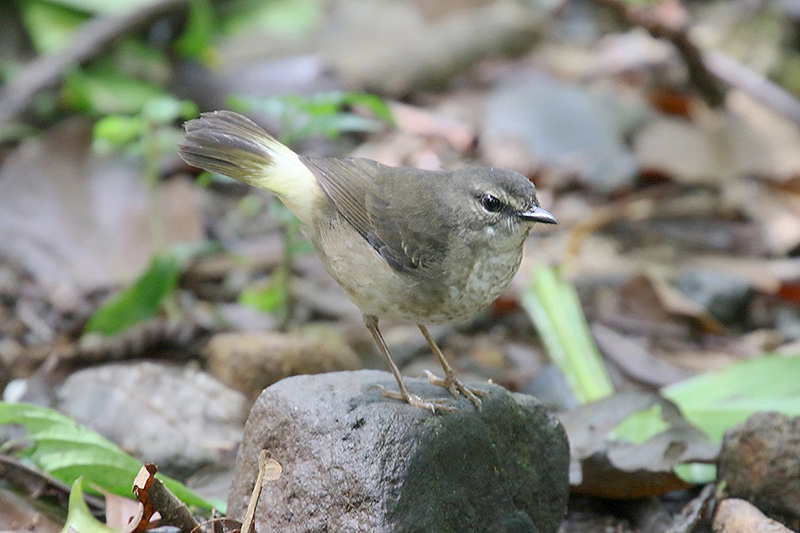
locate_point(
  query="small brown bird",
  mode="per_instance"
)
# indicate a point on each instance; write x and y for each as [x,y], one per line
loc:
[417,245]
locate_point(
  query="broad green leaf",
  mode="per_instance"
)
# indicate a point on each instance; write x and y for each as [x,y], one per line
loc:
[140,301]
[286,18]
[67,450]
[167,109]
[641,426]
[50,26]
[79,518]
[556,312]
[716,401]
[116,131]
[104,91]
[104,7]
[196,38]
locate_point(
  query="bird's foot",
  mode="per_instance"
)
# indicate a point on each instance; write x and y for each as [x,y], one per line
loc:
[409,397]
[454,385]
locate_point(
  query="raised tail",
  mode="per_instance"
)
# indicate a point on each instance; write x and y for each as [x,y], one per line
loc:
[233,145]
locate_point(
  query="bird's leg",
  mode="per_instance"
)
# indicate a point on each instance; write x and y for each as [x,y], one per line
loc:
[404,393]
[450,381]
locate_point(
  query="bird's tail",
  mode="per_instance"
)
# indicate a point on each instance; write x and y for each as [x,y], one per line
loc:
[230,144]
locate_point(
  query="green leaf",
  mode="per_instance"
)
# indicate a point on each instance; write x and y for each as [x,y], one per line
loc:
[67,450]
[640,426]
[115,131]
[696,473]
[196,38]
[104,91]
[135,58]
[555,310]
[79,518]
[375,104]
[327,113]
[269,297]
[104,7]
[286,18]
[138,302]
[716,401]
[50,26]
[167,109]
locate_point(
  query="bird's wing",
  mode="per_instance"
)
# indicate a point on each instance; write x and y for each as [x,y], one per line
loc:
[358,189]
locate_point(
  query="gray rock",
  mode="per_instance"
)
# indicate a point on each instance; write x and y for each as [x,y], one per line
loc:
[179,418]
[354,460]
[562,126]
[760,462]
[251,361]
[727,297]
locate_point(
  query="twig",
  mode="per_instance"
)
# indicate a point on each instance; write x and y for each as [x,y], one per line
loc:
[695,511]
[699,76]
[90,39]
[756,85]
[268,470]
[154,496]
[708,69]
[158,333]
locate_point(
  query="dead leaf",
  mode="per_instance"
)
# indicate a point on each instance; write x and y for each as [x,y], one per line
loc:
[780,136]
[650,296]
[635,360]
[420,121]
[78,221]
[615,469]
[775,208]
[718,149]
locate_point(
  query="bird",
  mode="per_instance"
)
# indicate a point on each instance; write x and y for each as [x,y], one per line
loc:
[423,246]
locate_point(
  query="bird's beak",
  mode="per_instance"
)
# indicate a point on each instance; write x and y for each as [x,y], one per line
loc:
[537,214]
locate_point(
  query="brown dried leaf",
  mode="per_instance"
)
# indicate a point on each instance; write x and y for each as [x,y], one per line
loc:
[141,522]
[635,360]
[719,149]
[78,221]
[615,469]
[650,297]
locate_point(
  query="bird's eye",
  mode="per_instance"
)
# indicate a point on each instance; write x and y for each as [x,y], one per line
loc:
[491,203]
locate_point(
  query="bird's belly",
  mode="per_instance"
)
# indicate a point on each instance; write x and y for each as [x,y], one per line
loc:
[469,285]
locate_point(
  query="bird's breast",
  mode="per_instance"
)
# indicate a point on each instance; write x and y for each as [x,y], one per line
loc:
[467,281]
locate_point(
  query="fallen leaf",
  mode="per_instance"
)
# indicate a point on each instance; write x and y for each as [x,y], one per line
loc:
[612,468]
[78,221]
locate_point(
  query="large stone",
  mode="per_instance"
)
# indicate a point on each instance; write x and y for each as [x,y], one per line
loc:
[354,460]
[252,361]
[177,417]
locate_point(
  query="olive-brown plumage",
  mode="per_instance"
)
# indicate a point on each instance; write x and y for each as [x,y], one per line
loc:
[418,245]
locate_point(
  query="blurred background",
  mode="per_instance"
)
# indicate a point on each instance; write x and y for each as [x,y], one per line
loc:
[664,135]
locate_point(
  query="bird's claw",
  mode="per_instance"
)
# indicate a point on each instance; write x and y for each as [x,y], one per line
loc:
[454,386]
[417,401]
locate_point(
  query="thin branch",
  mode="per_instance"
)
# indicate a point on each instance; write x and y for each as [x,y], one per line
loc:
[700,77]
[89,40]
[756,85]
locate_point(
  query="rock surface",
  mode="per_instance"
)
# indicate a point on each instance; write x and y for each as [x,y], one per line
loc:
[179,418]
[760,462]
[252,361]
[354,460]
